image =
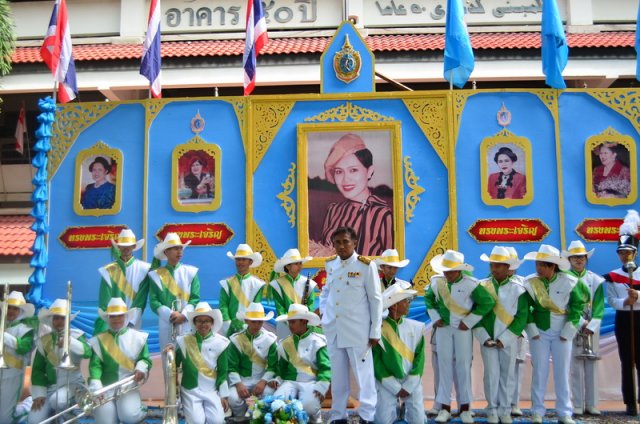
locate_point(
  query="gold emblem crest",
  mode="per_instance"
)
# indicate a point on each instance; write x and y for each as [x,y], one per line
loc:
[347,62]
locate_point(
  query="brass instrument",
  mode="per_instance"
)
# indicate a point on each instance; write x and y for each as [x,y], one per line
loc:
[305,293]
[3,323]
[585,340]
[65,360]
[171,393]
[175,307]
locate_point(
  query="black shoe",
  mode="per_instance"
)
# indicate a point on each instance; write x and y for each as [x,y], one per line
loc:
[363,421]
[631,411]
[342,421]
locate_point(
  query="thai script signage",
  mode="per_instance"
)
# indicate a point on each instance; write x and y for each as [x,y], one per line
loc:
[508,230]
[91,237]
[599,229]
[200,234]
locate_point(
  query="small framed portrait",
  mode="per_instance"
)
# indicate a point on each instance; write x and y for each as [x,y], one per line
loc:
[196,176]
[506,171]
[98,181]
[350,175]
[611,169]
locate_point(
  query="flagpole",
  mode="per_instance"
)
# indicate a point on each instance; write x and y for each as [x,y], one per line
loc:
[28,142]
[451,80]
[55,91]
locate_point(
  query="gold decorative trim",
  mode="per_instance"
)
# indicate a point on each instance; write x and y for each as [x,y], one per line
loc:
[439,246]
[267,120]
[260,244]
[154,106]
[548,97]
[348,111]
[240,108]
[413,197]
[459,102]
[71,120]
[625,101]
[288,204]
[431,116]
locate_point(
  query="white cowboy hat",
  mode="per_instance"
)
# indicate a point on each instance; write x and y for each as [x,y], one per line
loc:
[298,311]
[391,257]
[16,299]
[576,248]
[170,240]
[57,308]
[501,255]
[395,294]
[291,256]
[449,261]
[116,306]
[203,309]
[549,254]
[127,238]
[254,312]
[245,251]
[513,254]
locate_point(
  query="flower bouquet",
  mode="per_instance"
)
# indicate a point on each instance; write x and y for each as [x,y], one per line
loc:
[278,410]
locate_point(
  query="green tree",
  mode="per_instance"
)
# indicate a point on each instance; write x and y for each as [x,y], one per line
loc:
[7,38]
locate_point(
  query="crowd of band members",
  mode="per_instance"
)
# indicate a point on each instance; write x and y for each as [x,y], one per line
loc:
[361,328]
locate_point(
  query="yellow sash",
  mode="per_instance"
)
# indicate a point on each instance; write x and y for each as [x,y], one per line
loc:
[120,280]
[294,358]
[543,298]
[446,297]
[196,357]
[234,286]
[12,361]
[246,347]
[111,347]
[396,343]
[170,283]
[288,289]
[498,309]
[50,349]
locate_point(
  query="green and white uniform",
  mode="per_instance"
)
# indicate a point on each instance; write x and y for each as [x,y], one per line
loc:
[236,293]
[18,343]
[285,291]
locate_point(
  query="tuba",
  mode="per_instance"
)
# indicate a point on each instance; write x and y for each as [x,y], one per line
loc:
[585,340]
[3,323]
[171,394]
[65,360]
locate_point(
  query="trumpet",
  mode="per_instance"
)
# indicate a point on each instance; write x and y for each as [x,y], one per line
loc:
[65,360]
[171,393]
[3,323]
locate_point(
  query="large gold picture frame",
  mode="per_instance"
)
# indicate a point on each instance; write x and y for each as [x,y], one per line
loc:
[318,196]
[98,181]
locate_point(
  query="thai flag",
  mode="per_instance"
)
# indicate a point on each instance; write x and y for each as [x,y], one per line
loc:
[151,58]
[255,40]
[57,54]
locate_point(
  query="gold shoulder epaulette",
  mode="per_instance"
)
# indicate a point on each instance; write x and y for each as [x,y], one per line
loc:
[330,258]
[365,260]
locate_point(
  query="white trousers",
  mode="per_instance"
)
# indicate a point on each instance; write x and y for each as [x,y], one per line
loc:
[237,404]
[56,401]
[303,392]
[436,380]
[454,345]
[343,360]
[386,409]
[499,377]
[584,377]
[128,409]
[201,407]
[521,355]
[549,346]
[11,386]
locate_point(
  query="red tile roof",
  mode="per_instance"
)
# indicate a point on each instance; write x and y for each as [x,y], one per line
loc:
[16,237]
[377,43]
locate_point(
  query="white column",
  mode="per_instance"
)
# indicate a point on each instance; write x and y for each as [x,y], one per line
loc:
[133,19]
[579,13]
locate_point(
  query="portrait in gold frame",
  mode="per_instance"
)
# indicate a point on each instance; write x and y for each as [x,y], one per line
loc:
[611,171]
[98,181]
[195,176]
[332,182]
[506,171]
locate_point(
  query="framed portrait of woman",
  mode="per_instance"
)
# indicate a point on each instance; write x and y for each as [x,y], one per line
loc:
[98,181]
[611,169]
[350,175]
[196,176]
[506,170]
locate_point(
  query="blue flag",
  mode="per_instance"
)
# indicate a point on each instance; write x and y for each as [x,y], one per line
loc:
[555,51]
[638,45]
[458,55]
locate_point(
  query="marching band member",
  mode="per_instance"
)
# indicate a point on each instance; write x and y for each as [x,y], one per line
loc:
[555,315]
[584,371]
[253,358]
[125,278]
[351,307]
[53,388]
[521,342]
[239,290]
[292,287]
[399,359]
[303,362]
[204,357]
[498,332]
[18,343]
[455,313]
[118,353]
[174,283]
[622,295]
[389,264]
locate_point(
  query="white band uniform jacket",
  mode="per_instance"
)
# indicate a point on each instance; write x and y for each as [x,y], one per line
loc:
[261,345]
[351,302]
[461,293]
[617,292]
[135,273]
[212,348]
[229,304]
[308,346]
[18,342]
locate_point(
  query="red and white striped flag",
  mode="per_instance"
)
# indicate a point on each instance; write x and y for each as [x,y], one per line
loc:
[255,39]
[56,51]
[21,128]
[151,57]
